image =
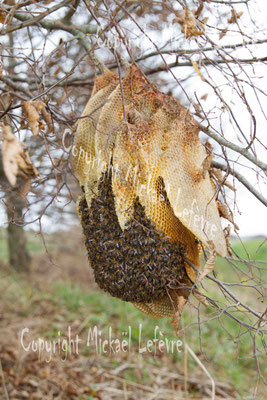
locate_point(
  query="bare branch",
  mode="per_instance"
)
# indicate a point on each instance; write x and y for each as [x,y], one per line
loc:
[241,178]
[241,150]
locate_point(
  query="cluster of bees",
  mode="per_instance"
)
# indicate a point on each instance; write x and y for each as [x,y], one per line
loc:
[138,264]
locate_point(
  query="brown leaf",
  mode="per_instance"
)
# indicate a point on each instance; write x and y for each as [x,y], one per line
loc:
[225,213]
[204,97]
[197,69]
[16,160]
[70,389]
[208,267]
[205,168]
[209,146]
[234,16]
[33,383]
[200,297]
[188,23]
[3,16]
[227,233]
[200,8]
[206,164]
[48,119]
[33,110]
[223,33]
[175,322]
[220,178]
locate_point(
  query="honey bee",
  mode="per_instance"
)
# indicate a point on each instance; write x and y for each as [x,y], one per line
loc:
[136,264]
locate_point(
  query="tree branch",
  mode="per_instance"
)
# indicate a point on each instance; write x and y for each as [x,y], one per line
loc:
[177,63]
[241,178]
[181,52]
[241,150]
[49,24]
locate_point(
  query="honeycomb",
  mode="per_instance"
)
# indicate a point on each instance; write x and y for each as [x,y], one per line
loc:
[83,160]
[148,197]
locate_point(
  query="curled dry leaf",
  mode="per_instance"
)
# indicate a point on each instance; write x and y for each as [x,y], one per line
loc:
[200,8]
[200,297]
[197,69]
[4,18]
[206,164]
[16,160]
[175,322]
[223,33]
[225,213]
[204,97]
[205,168]
[227,234]
[234,16]
[210,263]
[221,179]
[33,110]
[48,119]
[190,26]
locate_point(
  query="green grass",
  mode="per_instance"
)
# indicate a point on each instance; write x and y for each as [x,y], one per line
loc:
[227,354]
[255,249]
[226,349]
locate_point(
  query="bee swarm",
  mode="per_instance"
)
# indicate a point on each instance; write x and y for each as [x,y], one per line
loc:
[136,264]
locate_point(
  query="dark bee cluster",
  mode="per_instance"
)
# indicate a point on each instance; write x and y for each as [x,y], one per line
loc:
[136,264]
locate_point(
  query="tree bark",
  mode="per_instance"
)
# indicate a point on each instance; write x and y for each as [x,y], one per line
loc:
[19,257]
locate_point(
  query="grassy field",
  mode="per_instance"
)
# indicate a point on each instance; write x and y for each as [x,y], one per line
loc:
[60,292]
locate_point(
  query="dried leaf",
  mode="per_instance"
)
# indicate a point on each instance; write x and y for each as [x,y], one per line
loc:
[204,97]
[206,164]
[220,178]
[188,23]
[208,267]
[33,110]
[227,234]
[48,119]
[223,33]
[199,9]
[70,389]
[3,16]
[225,213]
[200,297]
[196,68]
[218,174]
[234,16]
[16,160]
[228,184]
[209,146]
[175,322]
[205,168]
[58,70]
